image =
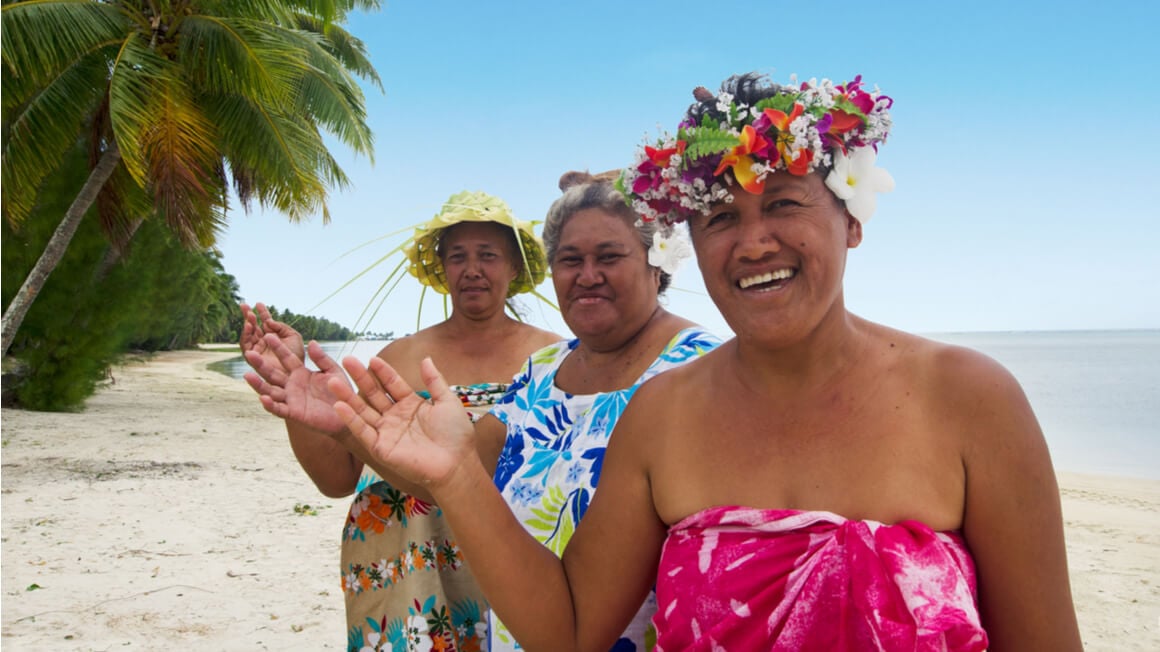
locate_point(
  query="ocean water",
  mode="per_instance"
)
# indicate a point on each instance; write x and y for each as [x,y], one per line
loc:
[1096,393]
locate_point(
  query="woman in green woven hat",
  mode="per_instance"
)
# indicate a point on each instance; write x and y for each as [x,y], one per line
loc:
[401,569]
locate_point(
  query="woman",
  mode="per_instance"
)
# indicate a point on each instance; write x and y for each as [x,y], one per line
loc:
[819,482]
[548,434]
[401,572]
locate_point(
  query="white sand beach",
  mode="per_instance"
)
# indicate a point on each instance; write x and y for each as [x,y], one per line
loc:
[171,513]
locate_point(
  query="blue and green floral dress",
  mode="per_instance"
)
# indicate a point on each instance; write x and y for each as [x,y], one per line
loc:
[550,463]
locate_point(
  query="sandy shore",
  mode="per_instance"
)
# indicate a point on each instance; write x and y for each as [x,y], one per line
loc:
[171,513]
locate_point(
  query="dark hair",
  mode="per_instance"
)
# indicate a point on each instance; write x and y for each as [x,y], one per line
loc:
[583,191]
[748,89]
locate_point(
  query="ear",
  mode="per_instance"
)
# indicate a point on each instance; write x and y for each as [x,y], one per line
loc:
[853,231]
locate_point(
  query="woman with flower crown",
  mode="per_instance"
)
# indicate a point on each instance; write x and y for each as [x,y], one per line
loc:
[819,482]
[544,440]
[403,578]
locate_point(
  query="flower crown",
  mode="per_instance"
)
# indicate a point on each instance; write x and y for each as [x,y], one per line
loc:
[800,130]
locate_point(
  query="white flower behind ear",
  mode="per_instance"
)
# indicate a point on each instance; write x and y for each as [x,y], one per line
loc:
[855,181]
[668,251]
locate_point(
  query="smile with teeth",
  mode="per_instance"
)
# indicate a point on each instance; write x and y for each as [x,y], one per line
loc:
[768,277]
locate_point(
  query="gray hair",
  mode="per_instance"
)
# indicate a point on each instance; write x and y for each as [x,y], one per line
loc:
[590,192]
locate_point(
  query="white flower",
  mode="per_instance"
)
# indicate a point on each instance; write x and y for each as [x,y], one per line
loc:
[668,252]
[854,179]
[416,630]
[372,643]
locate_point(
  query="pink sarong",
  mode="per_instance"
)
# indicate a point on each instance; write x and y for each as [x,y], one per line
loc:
[742,579]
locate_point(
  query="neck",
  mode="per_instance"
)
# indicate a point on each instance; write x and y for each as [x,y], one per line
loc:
[596,348]
[819,358]
[459,324]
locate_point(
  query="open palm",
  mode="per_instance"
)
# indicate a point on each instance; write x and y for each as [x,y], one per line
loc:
[290,390]
[424,442]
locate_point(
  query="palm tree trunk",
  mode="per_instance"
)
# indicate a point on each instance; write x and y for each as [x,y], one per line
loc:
[54,250]
[113,253]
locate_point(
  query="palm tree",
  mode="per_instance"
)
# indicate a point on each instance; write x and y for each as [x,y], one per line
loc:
[181,102]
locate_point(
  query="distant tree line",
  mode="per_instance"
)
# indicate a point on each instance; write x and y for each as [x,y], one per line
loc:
[317,328]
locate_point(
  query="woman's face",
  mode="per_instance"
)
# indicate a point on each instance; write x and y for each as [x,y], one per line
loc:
[606,290]
[480,265]
[773,263]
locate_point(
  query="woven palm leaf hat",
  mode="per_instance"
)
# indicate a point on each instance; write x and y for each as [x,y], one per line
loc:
[423,251]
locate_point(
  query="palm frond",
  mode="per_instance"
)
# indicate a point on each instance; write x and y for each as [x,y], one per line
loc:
[42,38]
[343,46]
[272,151]
[330,95]
[42,127]
[236,56]
[181,158]
[139,79]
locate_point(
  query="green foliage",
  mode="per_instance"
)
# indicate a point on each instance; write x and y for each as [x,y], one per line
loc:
[195,95]
[159,296]
[314,328]
[706,141]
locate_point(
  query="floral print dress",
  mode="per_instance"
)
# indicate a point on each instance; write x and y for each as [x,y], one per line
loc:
[406,585]
[550,463]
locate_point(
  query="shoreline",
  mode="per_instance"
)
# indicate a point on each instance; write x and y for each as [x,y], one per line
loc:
[172,512]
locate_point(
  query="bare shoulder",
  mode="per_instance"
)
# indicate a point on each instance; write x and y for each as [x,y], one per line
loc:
[405,353]
[963,377]
[666,395]
[974,399]
[535,338]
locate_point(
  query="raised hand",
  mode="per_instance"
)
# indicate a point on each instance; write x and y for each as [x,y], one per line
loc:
[288,389]
[253,332]
[422,441]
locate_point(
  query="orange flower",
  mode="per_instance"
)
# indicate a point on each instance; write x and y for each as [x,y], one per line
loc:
[800,165]
[741,161]
[661,157]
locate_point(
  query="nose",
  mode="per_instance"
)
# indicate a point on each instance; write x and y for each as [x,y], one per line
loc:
[589,275]
[757,238]
[473,267]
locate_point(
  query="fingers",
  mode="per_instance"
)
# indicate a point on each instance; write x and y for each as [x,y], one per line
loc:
[370,389]
[265,389]
[264,368]
[359,428]
[393,383]
[249,336]
[338,385]
[289,360]
[325,363]
[436,384]
[358,410]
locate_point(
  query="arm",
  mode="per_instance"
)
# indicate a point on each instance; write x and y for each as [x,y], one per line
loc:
[1012,520]
[582,602]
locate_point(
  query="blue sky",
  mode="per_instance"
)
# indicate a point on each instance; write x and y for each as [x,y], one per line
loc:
[1024,149]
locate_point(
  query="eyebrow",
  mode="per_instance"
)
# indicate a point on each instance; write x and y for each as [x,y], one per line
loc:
[481,245]
[602,246]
